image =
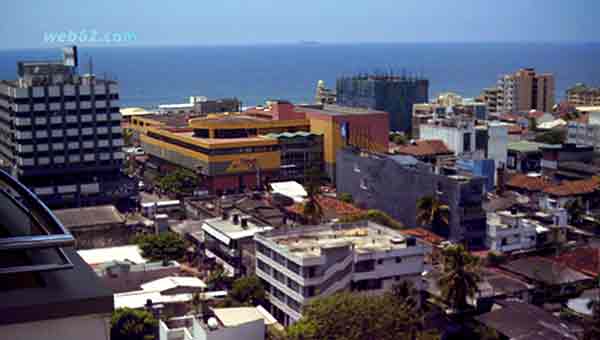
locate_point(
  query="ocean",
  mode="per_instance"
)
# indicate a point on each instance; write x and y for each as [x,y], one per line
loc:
[149,76]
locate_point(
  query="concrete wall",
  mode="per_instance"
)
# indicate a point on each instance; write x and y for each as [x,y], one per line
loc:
[386,185]
[91,327]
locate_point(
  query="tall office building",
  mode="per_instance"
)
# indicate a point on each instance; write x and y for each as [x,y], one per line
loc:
[525,90]
[60,133]
[395,95]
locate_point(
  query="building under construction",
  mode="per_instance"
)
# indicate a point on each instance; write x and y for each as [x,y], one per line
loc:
[391,93]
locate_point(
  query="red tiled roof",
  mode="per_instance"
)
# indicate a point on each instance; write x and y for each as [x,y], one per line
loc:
[425,235]
[529,183]
[424,148]
[509,117]
[585,260]
[516,130]
[573,188]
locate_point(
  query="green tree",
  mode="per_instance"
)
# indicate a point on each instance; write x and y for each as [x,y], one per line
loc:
[178,181]
[248,291]
[132,324]
[576,210]
[400,139]
[218,278]
[162,247]
[459,277]
[312,210]
[128,137]
[345,197]
[376,216]
[351,316]
[431,211]
[552,137]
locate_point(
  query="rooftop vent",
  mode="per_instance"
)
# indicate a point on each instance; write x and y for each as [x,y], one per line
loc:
[236,219]
[244,223]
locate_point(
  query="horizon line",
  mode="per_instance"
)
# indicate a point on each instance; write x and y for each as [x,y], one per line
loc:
[307,43]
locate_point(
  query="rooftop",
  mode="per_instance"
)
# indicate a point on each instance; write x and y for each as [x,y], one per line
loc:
[365,237]
[585,260]
[89,216]
[529,183]
[424,148]
[98,256]
[573,188]
[337,110]
[171,282]
[544,270]
[518,320]
[527,146]
[232,228]
[331,206]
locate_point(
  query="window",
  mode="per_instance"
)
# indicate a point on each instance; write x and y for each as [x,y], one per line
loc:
[380,261]
[398,259]
[356,168]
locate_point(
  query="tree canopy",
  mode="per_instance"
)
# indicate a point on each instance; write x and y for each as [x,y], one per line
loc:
[178,181]
[376,216]
[552,137]
[162,247]
[431,211]
[132,324]
[459,277]
[356,316]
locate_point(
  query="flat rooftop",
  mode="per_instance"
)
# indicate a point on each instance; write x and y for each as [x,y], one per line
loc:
[228,229]
[366,237]
[99,256]
[338,110]
[89,216]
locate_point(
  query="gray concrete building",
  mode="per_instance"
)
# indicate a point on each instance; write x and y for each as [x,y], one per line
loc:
[394,184]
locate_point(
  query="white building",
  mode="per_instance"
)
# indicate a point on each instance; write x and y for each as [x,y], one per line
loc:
[497,144]
[298,264]
[61,132]
[229,240]
[508,232]
[458,135]
[585,133]
[246,323]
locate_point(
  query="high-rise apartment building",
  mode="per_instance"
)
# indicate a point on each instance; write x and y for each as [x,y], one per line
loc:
[395,95]
[60,133]
[524,91]
[582,95]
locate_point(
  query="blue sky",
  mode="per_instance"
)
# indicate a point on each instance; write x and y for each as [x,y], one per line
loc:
[216,22]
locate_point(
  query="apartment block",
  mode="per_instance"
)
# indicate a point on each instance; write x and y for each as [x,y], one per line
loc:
[60,133]
[393,94]
[297,265]
[582,95]
[525,90]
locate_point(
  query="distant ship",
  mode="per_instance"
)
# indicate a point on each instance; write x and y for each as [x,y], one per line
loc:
[309,42]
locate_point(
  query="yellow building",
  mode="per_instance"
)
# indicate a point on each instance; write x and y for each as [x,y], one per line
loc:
[226,149]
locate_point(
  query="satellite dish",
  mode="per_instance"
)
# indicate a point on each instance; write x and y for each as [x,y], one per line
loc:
[212,323]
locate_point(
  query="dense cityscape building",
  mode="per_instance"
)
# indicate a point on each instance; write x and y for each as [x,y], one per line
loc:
[300,264]
[61,133]
[525,90]
[582,95]
[393,94]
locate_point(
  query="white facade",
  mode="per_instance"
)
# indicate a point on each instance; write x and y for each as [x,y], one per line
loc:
[459,138]
[497,146]
[584,134]
[298,265]
[248,326]
[509,232]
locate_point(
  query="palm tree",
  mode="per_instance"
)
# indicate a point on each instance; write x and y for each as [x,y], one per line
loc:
[409,299]
[312,210]
[576,210]
[459,277]
[431,211]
